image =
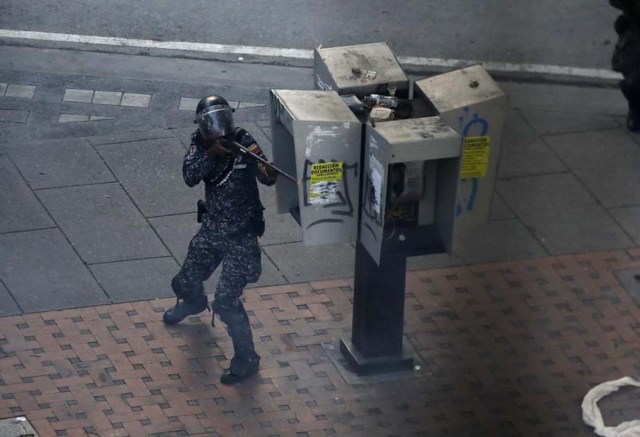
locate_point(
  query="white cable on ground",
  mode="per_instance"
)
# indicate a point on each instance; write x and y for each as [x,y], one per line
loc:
[592,416]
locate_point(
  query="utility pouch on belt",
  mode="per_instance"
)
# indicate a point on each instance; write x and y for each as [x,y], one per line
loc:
[202,209]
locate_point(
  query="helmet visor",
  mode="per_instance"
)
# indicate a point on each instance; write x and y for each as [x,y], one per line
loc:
[215,122]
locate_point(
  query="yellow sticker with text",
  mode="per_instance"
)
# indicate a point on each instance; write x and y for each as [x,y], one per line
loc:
[475,157]
[326,171]
[326,183]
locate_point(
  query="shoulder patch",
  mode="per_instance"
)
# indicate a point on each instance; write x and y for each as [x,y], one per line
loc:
[193,149]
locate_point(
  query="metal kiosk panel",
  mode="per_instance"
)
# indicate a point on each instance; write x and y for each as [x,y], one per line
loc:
[359,69]
[471,102]
[317,139]
[411,172]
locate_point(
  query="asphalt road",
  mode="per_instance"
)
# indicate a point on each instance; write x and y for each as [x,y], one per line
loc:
[576,33]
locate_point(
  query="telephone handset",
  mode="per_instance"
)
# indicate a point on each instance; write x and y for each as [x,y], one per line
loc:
[406,182]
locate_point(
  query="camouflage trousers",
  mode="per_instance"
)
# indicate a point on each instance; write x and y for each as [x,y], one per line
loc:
[240,259]
[626,60]
[630,87]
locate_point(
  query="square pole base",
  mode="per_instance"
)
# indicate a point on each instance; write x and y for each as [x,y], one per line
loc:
[364,366]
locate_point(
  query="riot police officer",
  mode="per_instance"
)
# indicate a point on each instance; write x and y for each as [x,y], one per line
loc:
[626,57]
[232,220]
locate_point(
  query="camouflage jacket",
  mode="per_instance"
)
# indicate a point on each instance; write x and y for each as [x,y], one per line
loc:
[628,7]
[231,193]
[629,21]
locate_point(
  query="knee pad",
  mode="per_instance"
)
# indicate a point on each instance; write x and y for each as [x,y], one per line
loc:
[230,311]
[185,289]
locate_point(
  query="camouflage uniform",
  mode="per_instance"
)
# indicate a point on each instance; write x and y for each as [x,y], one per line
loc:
[626,56]
[229,235]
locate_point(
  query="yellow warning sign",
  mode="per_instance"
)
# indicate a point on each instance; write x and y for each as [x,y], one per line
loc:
[326,183]
[475,157]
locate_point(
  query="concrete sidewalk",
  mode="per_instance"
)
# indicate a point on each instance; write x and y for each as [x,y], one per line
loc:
[537,305]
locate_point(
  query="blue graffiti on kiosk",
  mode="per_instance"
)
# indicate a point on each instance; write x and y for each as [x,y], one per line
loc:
[469,187]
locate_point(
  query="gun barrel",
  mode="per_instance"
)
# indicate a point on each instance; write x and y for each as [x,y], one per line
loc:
[266,163]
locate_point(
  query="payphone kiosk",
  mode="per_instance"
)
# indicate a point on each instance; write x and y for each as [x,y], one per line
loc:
[317,140]
[473,104]
[408,207]
[411,170]
[385,170]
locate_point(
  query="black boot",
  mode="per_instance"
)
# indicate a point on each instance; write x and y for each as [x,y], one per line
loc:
[240,372]
[245,361]
[185,308]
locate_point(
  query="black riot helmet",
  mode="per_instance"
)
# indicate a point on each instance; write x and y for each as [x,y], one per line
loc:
[214,117]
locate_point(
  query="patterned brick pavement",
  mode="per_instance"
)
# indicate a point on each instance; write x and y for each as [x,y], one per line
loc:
[510,349]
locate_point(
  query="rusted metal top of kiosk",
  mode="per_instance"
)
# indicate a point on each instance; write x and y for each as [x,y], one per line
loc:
[459,88]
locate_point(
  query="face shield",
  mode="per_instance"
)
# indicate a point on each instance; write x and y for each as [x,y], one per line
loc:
[215,122]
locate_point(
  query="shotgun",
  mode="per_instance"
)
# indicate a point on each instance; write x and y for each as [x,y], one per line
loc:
[264,162]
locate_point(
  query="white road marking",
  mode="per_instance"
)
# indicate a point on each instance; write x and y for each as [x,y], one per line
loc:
[505,67]
[508,67]
[148,43]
